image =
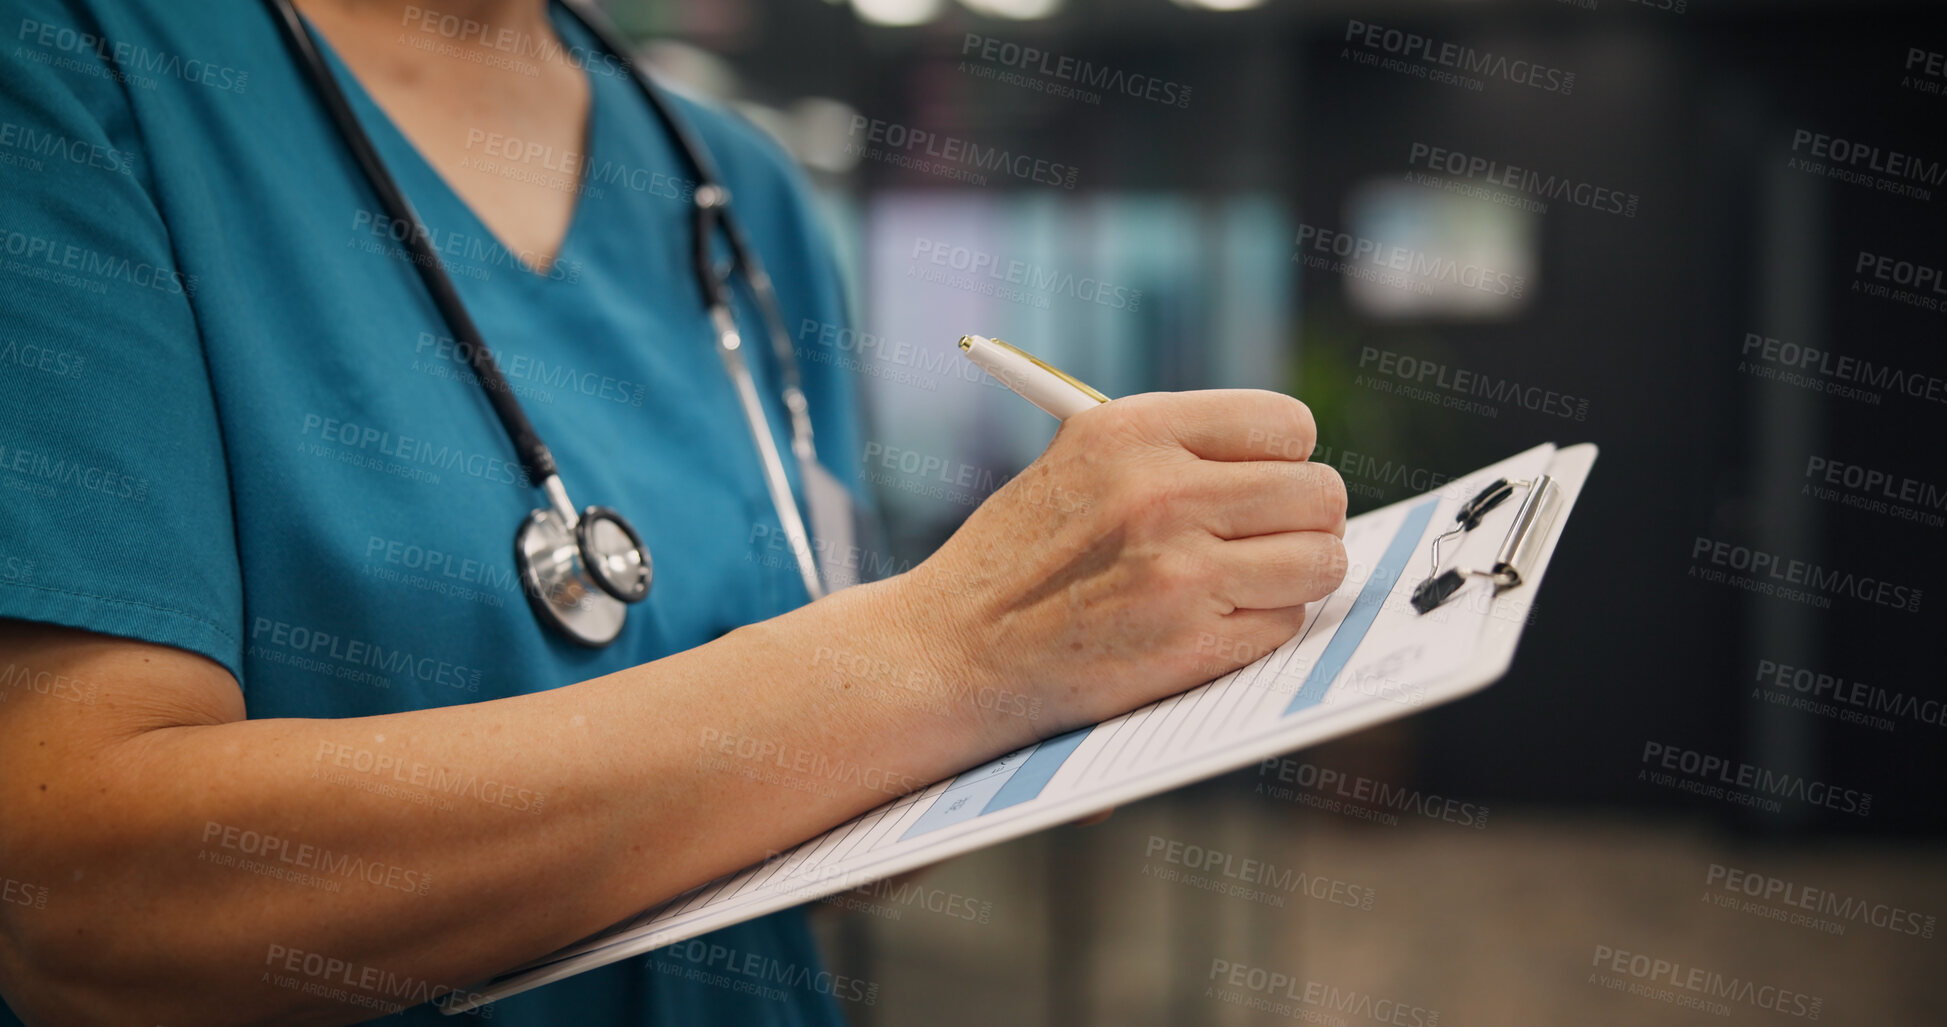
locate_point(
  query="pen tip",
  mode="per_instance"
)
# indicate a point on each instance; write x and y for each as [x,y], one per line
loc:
[966,343]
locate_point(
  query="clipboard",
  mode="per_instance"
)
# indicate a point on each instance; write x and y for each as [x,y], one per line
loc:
[1366,655]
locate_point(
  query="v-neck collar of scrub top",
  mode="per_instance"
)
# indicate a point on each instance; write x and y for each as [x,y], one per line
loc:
[393,144]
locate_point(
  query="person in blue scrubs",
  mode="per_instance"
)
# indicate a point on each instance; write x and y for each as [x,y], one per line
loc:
[280,738]
[234,424]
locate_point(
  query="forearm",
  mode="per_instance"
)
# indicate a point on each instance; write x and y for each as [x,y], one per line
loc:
[444,845]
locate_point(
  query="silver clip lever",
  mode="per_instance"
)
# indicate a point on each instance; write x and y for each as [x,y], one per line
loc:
[1518,551]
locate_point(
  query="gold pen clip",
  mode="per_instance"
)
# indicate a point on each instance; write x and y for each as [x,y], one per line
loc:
[966,343]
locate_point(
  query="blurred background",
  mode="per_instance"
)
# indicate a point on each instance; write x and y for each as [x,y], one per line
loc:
[1704,234]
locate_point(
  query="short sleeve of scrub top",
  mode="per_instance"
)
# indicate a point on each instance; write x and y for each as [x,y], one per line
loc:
[232,422]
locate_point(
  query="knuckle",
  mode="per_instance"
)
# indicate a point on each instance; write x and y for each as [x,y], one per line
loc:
[1278,426]
[1329,561]
[1275,629]
[1304,425]
[1166,584]
[1087,427]
[1152,502]
[1139,413]
[1105,418]
[1123,429]
[1321,491]
[1331,496]
[1182,572]
[1281,625]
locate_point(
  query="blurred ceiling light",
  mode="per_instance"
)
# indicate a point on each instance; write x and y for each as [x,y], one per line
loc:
[1409,252]
[1019,10]
[897,12]
[692,69]
[819,133]
[774,122]
[1220,5]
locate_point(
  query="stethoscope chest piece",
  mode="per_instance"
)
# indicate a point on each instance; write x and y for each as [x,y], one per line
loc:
[581,578]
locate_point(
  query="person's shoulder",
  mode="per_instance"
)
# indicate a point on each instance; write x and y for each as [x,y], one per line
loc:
[755,166]
[206,21]
[109,52]
[14,10]
[729,134]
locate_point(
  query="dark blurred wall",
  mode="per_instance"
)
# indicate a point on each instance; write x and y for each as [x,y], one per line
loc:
[1641,317]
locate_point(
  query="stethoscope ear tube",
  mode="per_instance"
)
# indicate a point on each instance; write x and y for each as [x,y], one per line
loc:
[712,202]
[535,458]
[730,345]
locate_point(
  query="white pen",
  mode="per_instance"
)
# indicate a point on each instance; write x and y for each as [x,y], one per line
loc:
[1038,382]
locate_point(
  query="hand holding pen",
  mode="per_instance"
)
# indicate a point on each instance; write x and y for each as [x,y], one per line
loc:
[1160,540]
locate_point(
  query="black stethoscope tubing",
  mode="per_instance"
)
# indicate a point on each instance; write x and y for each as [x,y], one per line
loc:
[710,213]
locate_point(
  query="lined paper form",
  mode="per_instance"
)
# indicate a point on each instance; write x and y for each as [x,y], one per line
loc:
[1363,657]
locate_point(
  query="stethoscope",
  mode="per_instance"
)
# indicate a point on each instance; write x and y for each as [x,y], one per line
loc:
[580,570]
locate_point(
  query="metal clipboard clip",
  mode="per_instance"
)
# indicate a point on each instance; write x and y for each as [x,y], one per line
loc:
[1515,559]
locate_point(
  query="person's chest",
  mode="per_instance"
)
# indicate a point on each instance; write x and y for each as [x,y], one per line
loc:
[375,494]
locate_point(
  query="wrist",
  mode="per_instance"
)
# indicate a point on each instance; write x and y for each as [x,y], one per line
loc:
[946,633]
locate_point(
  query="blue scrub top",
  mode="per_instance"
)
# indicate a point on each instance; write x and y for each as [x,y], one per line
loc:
[232,421]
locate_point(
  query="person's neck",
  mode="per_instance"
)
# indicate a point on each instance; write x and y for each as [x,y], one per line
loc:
[466,20]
